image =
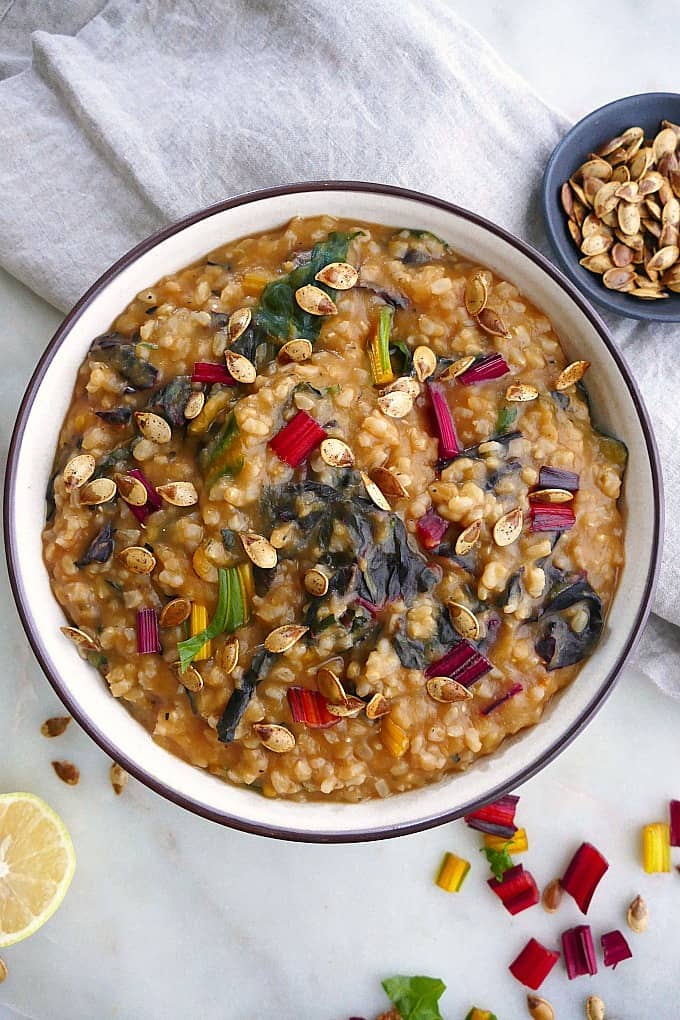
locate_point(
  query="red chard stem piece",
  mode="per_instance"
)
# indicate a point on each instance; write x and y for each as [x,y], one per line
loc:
[516,890]
[448,440]
[555,478]
[462,663]
[296,440]
[579,951]
[551,517]
[583,875]
[430,530]
[675,822]
[533,964]
[147,632]
[515,689]
[309,707]
[493,366]
[496,819]
[615,948]
[210,372]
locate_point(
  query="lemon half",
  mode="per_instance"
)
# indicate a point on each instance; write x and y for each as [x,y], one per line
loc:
[37,861]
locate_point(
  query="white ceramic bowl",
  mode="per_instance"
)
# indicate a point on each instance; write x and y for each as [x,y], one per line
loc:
[617,407]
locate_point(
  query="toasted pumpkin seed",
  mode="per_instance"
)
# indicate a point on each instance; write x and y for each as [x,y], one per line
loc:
[338,275]
[336,453]
[596,167]
[640,163]
[591,186]
[404,384]
[595,1009]
[669,236]
[551,496]
[315,301]
[468,538]
[597,263]
[476,290]
[131,490]
[646,294]
[521,393]
[464,621]
[424,362]
[552,896]
[491,322]
[374,492]
[67,772]
[3,971]
[78,471]
[228,654]
[619,279]
[98,491]
[118,778]
[664,143]
[567,200]
[282,638]
[574,230]
[606,199]
[153,427]
[578,191]
[240,368]
[508,528]
[330,686]
[137,559]
[651,182]
[174,613]
[347,709]
[621,255]
[178,493]
[238,323]
[629,218]
[621,174]
[664,258]
[597,243]
[592,224]
[377,707]
[259,550]
[55,726]
[638,915]
[191,679]
[389,482]
[296,350]
[194,405]
[278,739]
[539,1009]
[629,192]
[446,690]
[316,582]
[457,368]
[396,403]
[570,375]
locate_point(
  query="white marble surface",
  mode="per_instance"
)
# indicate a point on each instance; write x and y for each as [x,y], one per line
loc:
[172,917]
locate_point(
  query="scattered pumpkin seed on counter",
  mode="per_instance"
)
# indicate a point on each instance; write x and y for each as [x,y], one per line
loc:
[623,212]
[334,529]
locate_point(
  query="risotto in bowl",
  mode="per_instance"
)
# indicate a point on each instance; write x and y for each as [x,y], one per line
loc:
[352,512]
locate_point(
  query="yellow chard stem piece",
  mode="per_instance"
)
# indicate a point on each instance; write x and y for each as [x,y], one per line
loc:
[452,873]
[656,847]
[518,844]
[197,623]
[394,738]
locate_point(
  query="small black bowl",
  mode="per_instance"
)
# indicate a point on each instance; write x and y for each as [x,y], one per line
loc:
[645,111]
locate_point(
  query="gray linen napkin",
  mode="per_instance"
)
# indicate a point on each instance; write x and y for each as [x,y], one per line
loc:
[158,107]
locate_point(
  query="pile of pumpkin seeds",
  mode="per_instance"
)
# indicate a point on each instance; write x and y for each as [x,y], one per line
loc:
[624,214]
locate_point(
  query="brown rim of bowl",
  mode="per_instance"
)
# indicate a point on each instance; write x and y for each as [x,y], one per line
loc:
[32,628]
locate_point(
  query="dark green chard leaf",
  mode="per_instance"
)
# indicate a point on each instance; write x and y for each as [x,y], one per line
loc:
[116,416]
[222,454]
[50,505]
[114,460]
[387,294]
[278,314]
[500,861]
[114,350]
[98,660]
[402,354]
[506,418]
[416,998]
[100,549]
[240,697]
[172,399]
[557,643]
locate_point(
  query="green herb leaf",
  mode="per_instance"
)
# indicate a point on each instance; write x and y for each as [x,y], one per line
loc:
[500,861]
[278,313]
[192,646]
[506,417]
[416,998]
[398,349]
